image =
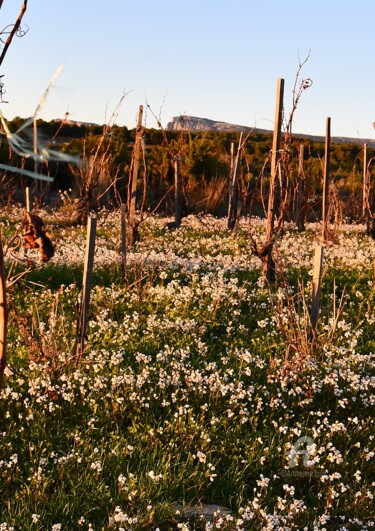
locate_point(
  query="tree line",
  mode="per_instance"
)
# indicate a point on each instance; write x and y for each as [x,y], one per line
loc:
[106,154]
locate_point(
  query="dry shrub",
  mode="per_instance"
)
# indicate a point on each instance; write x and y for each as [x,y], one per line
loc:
[210,196]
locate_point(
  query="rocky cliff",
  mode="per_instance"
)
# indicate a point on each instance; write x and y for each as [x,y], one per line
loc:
[195,124]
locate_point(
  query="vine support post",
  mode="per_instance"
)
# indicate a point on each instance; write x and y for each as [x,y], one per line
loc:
[3,315]
[231,163]
[300,191]
[233,184]
[316,286]
[36,165]
[366,211]
[28,197]
[269,262]
[177,192]
[365,182]
[327,153]
[123,239]
[134,177]
[230,180]
[86,285]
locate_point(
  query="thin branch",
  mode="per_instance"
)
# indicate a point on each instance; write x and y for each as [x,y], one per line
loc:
[14,30]
[297,92]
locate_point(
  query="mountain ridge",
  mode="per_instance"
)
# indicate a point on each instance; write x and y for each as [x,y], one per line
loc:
[198,124]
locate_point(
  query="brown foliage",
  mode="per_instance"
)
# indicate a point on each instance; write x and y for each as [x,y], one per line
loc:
[36,237]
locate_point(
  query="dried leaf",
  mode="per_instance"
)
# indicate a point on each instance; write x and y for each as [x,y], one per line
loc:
[36,237]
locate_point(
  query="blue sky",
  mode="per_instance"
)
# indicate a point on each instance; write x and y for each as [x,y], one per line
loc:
[217,59]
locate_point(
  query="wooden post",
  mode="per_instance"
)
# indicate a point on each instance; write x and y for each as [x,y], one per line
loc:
[177,192]
[299,215]
[28,191]
[231,162]
[28,197]
[269,263]
[35,128]
[3,315]
[231,170]
[86,285]
[233,186]
[316,286]
[37,184]
[364,195]
[123,240]
[366,211]
[134,177]
[326,180]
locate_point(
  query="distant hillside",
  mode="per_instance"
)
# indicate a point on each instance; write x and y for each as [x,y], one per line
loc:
[195,124]
[192,123]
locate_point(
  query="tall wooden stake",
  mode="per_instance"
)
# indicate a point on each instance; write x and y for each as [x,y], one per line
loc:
[316,286]
[299,205]
[364,195]
[366,212]
[230,180]
[86,285]
[269,263]
[233,185]
[134,176]
[123,240]
[35,129]
[231,163]
[326,180]
[177,193]
[28,198]
[3,315]
[38,184]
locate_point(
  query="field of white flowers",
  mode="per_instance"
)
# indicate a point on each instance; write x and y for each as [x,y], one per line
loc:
[199,385]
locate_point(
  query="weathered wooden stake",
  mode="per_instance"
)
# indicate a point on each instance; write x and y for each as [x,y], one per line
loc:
[123,240]
[231,161]
[299,215]
[86,285]
[134,177]
[316,286]
[365,182]
[233,185]
[230,179]
[3,315]
[29,199]
[38,184]
[326,180]
[35,129]
[366,211]
[269,263]
[177,193]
